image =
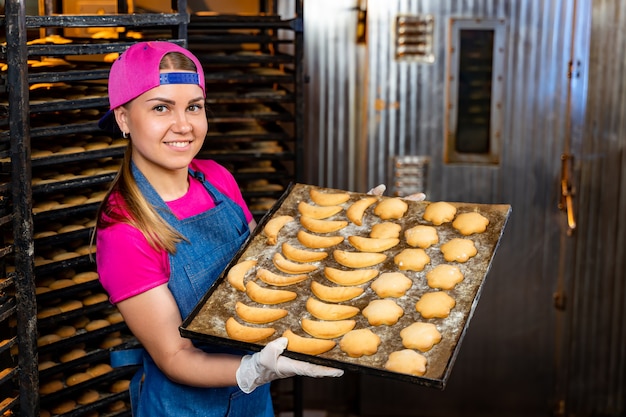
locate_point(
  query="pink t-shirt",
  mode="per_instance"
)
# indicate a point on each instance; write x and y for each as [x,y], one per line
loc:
[128,265]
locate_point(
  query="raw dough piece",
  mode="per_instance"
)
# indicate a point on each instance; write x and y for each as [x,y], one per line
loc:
[349,277]
[307,345]
[406,361]
[411,259]
[391,208]
[259,315]
[421,236]
[264,295]
[469,223]
[358,259]
[435,305]
[420,336]
[334,294]
[238,331]
[302,255]
[278,280]
[326,311]
[236,274]
[439,213]
[289,267]
[379,312]
[444,276]
[274,226]
[356,211]
[317,212]
[316,241]
[385,230]
[328,199]
[458,250]
[359,342]
[391,284]
[322,225]
[327,329]
[369,244]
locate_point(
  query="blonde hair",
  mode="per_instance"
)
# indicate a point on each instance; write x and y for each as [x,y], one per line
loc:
[137,211]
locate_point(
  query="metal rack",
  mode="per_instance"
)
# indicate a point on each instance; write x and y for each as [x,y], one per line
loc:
[55,165]
[254,78]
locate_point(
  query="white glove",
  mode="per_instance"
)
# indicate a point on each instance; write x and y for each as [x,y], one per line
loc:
[380,190]
[415,197]
[268,365]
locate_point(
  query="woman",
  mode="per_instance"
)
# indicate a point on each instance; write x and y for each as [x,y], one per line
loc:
[166,230]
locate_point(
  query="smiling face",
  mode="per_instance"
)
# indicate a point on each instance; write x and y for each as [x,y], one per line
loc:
[167,126]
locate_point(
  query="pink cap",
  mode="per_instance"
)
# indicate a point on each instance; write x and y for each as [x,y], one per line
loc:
[137,71]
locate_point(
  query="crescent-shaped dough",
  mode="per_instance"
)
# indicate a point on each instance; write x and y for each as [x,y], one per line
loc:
[326,311]
[350,277]
[307,345]
[368,244]
[289,267]
[356,211]
[267,295]
[259,315]
[302,255]
[322,226]
[358,259]
[238,331]
[273,227]
[277,280]
[317,212]
[327,329]
[316,241]
[237,273]
[328,199]
[335,294]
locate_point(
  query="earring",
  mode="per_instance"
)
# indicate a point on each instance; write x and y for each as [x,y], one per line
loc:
[125,135]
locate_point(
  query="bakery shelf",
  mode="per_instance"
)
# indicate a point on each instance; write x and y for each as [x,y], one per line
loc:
[7,309]
[82,336]
[75,390]
[132,20]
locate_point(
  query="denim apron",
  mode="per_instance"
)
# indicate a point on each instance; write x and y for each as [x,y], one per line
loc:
[213,238]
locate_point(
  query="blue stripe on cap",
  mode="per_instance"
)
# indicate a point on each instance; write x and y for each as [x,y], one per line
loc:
[179,78]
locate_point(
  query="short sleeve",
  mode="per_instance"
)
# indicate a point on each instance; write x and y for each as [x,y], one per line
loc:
[127,264]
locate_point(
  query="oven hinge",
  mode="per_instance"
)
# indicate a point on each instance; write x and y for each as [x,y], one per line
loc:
[566,202]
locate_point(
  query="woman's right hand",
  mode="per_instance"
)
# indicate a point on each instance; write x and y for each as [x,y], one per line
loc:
[269,364]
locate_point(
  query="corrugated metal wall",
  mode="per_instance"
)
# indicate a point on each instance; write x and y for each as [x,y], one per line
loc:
[597,288]
[363,107]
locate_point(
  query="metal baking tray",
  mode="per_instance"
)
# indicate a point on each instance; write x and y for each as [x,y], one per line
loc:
[207,321]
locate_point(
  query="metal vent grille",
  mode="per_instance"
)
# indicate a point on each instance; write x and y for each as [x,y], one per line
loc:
[414,38]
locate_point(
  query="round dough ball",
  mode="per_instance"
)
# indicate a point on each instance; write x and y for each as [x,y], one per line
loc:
[439,213]
[379,312]
[421,236]
[406,361]
[435,305]
[444,276]
[470,223]
[359,342]
[411,259]
[391,284]
[420,336]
